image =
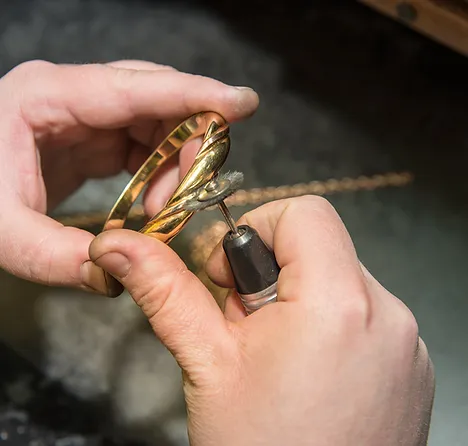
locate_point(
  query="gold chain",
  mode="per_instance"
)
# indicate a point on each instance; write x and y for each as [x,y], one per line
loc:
[206,240]
[331,186]
[256,196]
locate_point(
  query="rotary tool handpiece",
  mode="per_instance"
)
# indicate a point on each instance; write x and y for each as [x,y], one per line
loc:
[253,266]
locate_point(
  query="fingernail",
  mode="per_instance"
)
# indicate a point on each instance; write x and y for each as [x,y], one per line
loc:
[114,263]
[246,101]
[98,279]
[93,277]
[244,88]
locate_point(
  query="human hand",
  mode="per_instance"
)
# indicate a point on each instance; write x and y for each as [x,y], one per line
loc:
[336,361]
[63,124]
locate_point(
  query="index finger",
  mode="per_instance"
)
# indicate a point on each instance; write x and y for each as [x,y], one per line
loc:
[105,96]
[311,245]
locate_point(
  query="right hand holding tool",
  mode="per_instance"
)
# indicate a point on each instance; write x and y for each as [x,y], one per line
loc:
[336,361]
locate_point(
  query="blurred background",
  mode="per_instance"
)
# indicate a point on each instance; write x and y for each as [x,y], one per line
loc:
[345,92]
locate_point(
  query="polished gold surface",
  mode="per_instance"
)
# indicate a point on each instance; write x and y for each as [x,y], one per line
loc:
[208,161]
[212,154]
[172,218]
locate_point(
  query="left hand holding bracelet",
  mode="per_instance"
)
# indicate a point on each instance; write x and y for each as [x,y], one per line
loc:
[63,124]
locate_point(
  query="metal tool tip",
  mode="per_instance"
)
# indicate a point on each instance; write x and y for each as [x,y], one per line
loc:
[215,191]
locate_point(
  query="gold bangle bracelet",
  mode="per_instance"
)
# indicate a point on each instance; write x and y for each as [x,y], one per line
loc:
[172,218]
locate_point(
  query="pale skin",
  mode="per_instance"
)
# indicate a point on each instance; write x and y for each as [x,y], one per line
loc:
[337,361]
[89,121]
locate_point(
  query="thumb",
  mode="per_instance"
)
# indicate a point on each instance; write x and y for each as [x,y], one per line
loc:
[181,311]
[37,248]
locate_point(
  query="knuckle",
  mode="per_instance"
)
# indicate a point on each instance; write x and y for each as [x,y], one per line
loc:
[152,295]
[317,201]
[167,68]
[121,75]
[122,85]
[354,313]
[408,324]
[322,216]
[406,330]
[320,204]
[31,69]
[35,77]
[409,328]
[291,208]
[321,207]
